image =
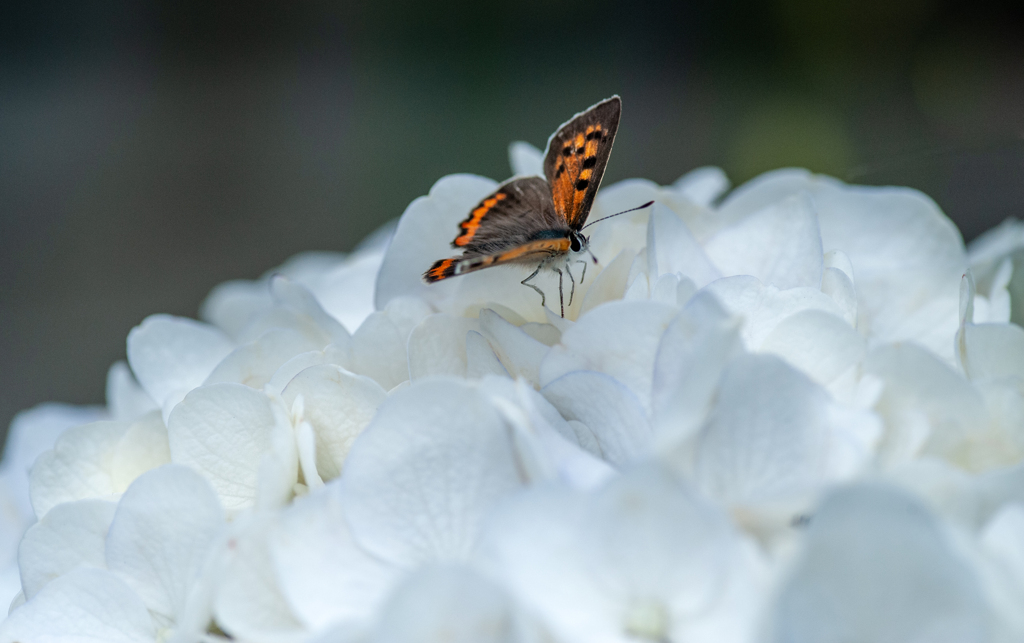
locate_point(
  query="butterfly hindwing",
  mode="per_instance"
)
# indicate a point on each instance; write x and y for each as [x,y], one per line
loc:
[529,252]
[576,158]
[510,217]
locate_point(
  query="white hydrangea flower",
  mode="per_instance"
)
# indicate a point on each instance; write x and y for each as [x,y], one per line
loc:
[793,411]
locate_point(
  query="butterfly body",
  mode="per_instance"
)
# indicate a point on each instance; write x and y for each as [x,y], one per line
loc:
[537,221]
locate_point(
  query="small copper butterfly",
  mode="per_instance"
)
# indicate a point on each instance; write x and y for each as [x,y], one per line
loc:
[533,221]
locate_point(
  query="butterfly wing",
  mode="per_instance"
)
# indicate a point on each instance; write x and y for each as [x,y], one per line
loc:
[577,157]
[515,224]
[530,252]
[510,217]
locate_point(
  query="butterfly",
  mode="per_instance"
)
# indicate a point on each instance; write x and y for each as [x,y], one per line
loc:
[533,221]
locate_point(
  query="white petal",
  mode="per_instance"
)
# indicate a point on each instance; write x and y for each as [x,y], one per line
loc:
[519,353]
[547,447]
[165,530]
[30,434]
[379,351]
[231,305]
[255,363]
[994,351]
[763,307]
[250,604]
[224,431]
[763,191]
[610,410]
[126,400]
[610,282]
[619,339]
[1003,543]
[424,235]
[780,245]
[422,476]
[346,290]
[878,567]
[692,353]
[821,345]
[775,436]
[143,446]
[338,405]
[324,575]
[837,284]
[525,159]
[84,606]
[676,251]
[703,185]
[922,393]
[71,535]
[481,359]
[449,604]
[438,346]
[78,467]
[173,355]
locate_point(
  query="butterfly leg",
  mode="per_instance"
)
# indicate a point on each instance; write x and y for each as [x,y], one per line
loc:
[584,275]
[561,296]
[539,291]
[572,291]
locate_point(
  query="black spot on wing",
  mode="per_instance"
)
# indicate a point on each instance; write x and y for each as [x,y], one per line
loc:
[582,184]
[589,162]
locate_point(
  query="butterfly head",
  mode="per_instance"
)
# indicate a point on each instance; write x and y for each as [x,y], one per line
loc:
[578,242]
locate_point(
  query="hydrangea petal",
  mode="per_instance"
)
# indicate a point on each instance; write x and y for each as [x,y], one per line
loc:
[249,604]
[610,410]
[223,431]
[762,307]
[780,245]
[675,250]
[877,567]
[83,606]
[520,354]
[324,575]
[165,529]
[703,185]
[821,345]
[450,604]
[379,351]
[525,159]
[338,405]
[143,446]
[126,400]
[255,363]
[173,355]
[421,477]
[619,339]
[78,467]
[31,433]
[775,436]
[71,535]
[481,360]
[438,346]
[691,356]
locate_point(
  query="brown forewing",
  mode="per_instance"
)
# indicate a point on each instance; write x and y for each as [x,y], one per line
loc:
[576,158]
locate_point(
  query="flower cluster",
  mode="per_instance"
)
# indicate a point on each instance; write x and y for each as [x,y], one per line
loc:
[790,412]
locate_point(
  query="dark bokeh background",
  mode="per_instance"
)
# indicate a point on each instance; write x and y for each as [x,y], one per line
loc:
[150,149]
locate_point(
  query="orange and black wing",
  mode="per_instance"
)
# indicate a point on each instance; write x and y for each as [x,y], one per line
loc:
[529,252]
[513,215]
[577,157]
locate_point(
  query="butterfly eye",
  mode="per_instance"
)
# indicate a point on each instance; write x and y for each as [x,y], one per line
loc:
[574,243]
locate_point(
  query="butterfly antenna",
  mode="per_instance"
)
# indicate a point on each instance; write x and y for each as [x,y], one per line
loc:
[639,207]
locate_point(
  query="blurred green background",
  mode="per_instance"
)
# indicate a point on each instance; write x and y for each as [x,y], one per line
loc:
[151,149]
